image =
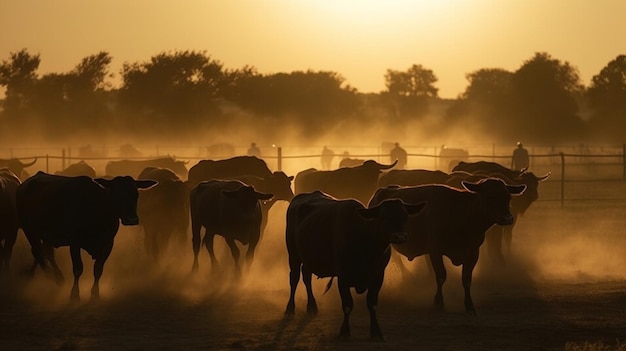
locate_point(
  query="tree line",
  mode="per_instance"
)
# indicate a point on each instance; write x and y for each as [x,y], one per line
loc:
[183,92]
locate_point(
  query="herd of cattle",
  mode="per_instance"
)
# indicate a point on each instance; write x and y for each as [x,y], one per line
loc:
[340,223]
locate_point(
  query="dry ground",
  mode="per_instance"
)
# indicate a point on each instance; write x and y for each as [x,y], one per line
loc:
[564,283]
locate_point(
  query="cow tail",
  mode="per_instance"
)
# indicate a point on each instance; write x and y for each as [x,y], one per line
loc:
[330,283]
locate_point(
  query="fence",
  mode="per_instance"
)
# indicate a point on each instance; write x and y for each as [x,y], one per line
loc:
[578,173]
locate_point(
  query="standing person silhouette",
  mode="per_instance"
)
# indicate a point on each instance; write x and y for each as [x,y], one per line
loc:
[254,150]
[327,158]
[520,158]
[398,153]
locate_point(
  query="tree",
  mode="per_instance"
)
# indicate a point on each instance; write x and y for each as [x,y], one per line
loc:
[18,75]
[408,91]
[546,91]
[172,88]
[607,99]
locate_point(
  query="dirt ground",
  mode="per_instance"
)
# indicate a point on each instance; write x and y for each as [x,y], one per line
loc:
[564,284]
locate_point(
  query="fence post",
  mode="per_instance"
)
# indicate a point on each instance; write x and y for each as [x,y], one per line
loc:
[624,160]
[47,164]
[562,178]
[279,158]
[62,159]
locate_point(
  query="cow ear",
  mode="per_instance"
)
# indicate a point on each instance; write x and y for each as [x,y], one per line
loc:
[516,189]
[472,187]
[290,177]
[414,209]
[145,184]
[263,196]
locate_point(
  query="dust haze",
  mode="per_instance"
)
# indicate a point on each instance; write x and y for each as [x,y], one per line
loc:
[574,244]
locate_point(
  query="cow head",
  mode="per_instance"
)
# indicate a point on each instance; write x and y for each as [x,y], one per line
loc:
[123,193]
[391,217]
[244,199]
[280,184]
[495,197]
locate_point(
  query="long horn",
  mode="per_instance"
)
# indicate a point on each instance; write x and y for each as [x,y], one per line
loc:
[541,179]
[28,164]
[387,166]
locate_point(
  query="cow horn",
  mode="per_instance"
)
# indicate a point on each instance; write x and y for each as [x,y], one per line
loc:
[381,166]
[541,179]
[28,164]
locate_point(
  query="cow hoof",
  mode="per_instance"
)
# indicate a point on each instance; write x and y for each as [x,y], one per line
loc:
[378,337]
[290,311]
[311,309]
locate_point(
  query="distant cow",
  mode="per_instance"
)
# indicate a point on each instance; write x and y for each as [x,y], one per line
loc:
[228,208]
[519,204]
[8,215]
[350,162]
[343,183]
[16,166]
[134,167]
[163,209]
[341,238]
[453,224]
[80,168]
[410,177]
[79,212]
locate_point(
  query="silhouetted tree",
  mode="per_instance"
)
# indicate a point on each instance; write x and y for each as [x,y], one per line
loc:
[173,89]
[408,91]
[607,100]
[18,75]
[545,92]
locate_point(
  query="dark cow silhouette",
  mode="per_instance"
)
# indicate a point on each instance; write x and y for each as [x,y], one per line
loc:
[228,208]
[16,166]
[252,171]
[519,204]
[409,177]
[453,224]
[8,215]
[80,168]
[350,162]
[340,238]
[227,168]
[163,209]
[79,212]
[343,183]
[134,167]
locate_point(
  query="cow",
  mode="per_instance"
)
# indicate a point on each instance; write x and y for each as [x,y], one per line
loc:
[330,237]
[79,212]
[453,224]
[134,167]
[343,183]
[8,215]
[80,168]
[350,162]
[519,204]
[409,177]
[228,208]
[252,171]
[17,167]
[163,209]
[224,169]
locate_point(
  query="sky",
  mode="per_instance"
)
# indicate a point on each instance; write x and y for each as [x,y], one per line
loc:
[359,39]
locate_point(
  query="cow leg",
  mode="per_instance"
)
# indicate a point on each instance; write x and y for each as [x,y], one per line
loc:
[49,253]
[294,278]
[440,277]
[466,276]
[250,253]
[347,305]
[493,240]
[372,305]
[9,242]
[77,269]
[195,242]
[234,250]
[208,243]
[507,236]
[98,269]
[311,306]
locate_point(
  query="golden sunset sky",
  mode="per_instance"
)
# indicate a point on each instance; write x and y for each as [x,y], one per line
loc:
[359,39]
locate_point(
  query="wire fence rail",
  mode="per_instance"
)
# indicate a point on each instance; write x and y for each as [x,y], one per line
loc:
[575,176]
